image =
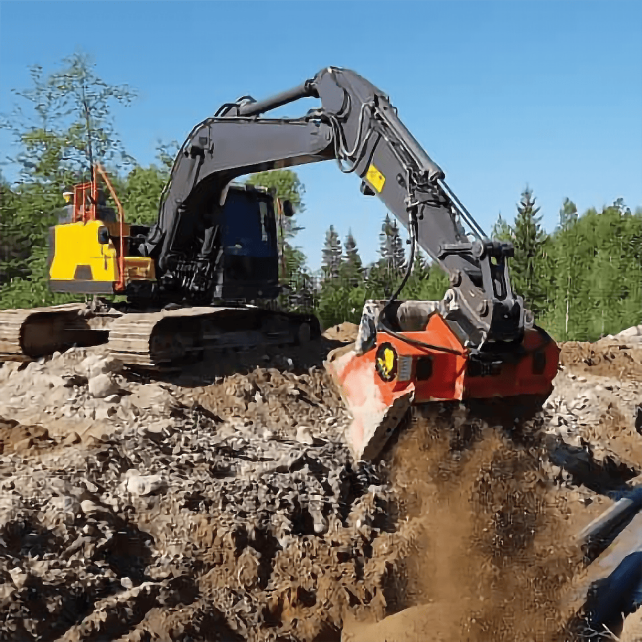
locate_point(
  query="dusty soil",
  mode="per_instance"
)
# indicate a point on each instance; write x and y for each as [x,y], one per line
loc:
[608,357]
[216,506]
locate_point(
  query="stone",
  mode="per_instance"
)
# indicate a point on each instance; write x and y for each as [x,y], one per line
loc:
[126,582]
[75,380]
[18,577]
[71,439]
[304,436]
[23,444]
[90,508]
[143,485]
[104,412]
[102,385]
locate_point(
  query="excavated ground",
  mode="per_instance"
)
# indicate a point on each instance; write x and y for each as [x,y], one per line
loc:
[214,506]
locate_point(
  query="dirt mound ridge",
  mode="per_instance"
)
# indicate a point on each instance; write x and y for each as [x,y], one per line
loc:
[608,357]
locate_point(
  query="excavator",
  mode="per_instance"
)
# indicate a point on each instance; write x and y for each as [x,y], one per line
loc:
[204,277]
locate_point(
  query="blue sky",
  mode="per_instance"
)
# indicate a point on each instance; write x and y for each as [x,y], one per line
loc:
[500,94]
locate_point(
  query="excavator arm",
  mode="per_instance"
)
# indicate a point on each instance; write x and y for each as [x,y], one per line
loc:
[357,126]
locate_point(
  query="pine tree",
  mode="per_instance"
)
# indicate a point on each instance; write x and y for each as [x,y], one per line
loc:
[385,245]
[416,284]
[566,270]
[398,250]
[332,254]
[567,214]
[529,240]
[502,231]
[391,250]
[351,266]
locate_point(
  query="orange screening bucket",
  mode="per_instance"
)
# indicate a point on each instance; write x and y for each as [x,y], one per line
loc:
[380,385]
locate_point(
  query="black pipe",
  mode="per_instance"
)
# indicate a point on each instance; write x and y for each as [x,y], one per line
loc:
[278,100]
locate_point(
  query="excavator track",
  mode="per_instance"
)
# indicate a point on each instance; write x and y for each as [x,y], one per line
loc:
[31,334]
[170,338]
[153,340]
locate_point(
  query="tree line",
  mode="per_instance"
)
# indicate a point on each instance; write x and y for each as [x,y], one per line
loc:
[583,280]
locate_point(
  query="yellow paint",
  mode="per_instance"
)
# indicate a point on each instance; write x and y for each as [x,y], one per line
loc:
[139,268]
[387,363]
[375,178]
[77,244]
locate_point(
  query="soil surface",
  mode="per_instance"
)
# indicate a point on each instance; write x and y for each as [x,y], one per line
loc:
[220,503]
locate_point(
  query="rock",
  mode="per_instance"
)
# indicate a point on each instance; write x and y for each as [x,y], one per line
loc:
[95,365]
[71,439]
[62,508]
[104,412]
[18,577]
[23,444]
[320,522]
[304,436]
[126,583]
[143,485]
[102,385]
[630,333]
[92,509]
[75,380]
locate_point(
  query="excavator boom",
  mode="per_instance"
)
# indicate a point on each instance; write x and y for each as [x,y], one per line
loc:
[358,127]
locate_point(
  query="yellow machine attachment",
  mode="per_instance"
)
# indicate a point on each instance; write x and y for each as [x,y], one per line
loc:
[90,255]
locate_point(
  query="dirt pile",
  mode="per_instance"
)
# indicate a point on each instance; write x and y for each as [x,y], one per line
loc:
[181,517]
[617,358]
[225,511]
[205,506]
[494,507]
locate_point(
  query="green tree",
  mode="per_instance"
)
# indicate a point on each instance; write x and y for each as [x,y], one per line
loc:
[332,255]
[565,272]
[142,189]
[352,265]
[60,124]
[342,299]
[383,277]
[416,284]
[13,250]
[392,250]
[64,121]
[502,230]
[567,215]
[529,239]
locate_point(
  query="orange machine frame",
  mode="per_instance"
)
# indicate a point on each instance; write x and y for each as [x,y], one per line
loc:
[377,402]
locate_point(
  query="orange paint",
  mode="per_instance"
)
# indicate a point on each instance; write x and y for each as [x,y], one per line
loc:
[368,396]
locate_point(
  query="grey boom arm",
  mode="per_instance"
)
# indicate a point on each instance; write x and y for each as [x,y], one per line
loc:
[358,127]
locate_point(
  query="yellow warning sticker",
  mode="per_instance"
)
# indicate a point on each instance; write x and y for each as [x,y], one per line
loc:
[375,178]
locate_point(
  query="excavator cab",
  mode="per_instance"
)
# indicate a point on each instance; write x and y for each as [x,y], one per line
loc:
[97,252]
